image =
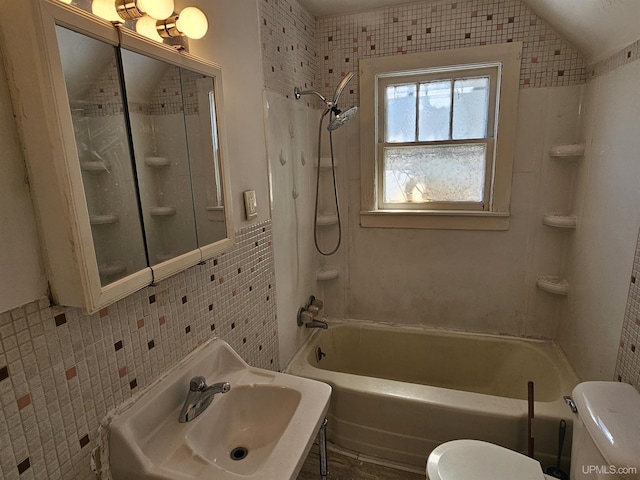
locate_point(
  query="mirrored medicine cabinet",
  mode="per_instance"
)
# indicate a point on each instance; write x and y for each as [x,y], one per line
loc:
[125,151]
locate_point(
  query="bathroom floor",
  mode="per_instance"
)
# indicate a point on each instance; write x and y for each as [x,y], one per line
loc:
[345,467]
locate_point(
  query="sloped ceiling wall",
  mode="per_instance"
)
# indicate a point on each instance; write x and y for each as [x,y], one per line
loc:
[598,28]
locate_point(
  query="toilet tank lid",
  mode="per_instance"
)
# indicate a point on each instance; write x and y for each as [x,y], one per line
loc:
[611,414]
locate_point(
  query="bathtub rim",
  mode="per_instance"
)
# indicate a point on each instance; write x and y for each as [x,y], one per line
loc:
[445,397]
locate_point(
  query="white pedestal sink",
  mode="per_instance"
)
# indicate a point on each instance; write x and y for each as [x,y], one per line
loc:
[262,428]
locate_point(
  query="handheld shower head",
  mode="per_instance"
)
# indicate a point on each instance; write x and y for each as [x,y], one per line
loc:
[340,87]
[341,118]
[297,93]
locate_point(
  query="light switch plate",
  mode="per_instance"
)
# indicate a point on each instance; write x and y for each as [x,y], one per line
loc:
[250,204]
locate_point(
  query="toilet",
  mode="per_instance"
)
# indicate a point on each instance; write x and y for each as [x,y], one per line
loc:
[606,443]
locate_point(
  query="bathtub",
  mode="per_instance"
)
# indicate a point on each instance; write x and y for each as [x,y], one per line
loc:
[398,391]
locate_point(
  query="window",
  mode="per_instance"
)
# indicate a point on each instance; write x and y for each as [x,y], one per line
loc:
[439,151]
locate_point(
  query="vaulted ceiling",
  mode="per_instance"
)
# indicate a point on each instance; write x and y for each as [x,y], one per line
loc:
[598,28]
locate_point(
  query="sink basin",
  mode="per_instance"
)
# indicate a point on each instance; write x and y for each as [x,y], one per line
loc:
[262,428]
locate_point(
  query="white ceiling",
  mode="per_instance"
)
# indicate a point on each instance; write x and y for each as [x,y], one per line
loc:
[598,28]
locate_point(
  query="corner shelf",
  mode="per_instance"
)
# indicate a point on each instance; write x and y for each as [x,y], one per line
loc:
[554,285]
[327,272]
[105,219]
[327,219]
[570,152]
[157,162]
[162,211]
[559,220]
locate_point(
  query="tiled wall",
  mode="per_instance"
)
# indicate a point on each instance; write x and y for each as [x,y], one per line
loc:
[628,363]
[547,59]
[104,97]
[617,60]
[62,371]
[288,46]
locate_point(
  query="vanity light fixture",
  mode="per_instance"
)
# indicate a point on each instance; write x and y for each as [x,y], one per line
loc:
[121,10]
[106,9]
[132,9]
[190,22]
[146,26]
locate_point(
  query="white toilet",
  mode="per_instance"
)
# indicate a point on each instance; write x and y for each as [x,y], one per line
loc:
[606,443]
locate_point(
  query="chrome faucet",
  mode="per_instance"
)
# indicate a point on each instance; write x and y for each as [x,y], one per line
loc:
[307,314]
[200,397]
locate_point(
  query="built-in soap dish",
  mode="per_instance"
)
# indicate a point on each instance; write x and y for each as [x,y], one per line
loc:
[327,272]
[559,220]
[105,219]
[555,285]
[327,219]
[162,211]
[571,151]
[157,162]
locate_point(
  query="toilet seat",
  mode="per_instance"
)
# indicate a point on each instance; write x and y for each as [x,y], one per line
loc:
[476,460]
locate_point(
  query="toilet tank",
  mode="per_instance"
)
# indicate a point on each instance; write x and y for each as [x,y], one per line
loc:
[606,432]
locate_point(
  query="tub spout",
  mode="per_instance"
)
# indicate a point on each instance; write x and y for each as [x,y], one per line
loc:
[317,324]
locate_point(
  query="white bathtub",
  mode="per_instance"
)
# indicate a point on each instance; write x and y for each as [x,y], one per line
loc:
[398,392]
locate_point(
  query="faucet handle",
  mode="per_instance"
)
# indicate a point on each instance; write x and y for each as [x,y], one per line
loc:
[317,303]
[197,384]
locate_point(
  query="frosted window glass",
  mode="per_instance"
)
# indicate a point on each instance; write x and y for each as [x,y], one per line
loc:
[434,111]
[445,173]
[470,107]
[400,113]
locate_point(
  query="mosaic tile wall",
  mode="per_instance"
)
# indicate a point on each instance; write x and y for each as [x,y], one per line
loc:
[288,46]
[62,371]
[547,59]
[615,61]
[104,98]
[628,362]
[175,93]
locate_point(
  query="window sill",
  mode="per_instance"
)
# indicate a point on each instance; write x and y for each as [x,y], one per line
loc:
[435,219]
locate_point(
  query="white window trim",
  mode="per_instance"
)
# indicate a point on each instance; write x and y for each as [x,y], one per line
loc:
[497,216]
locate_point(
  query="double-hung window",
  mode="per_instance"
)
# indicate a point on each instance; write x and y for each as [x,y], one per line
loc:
[438,152]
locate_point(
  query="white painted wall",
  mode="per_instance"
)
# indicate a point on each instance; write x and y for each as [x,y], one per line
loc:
[607,197]
[468,280]
[22,277]
[599,28]
[233,42]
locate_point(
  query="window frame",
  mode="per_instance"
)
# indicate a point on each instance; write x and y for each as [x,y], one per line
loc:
[375,73]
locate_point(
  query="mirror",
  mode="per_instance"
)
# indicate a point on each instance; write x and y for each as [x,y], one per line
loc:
[99,126]
[152,172]
[177,153]
[204,156]
[157,116]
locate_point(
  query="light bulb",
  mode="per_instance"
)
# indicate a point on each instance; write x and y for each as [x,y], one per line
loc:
[147,26]
[68,2]
[192,22]
[159,9]
[106,9]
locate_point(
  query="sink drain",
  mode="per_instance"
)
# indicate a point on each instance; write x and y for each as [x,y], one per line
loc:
[239,453]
